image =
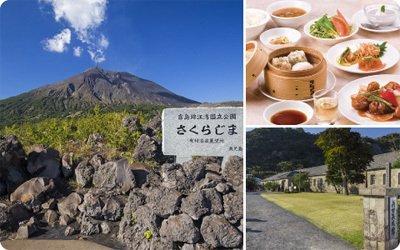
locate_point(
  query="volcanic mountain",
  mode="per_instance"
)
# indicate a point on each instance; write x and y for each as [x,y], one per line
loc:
[83,91]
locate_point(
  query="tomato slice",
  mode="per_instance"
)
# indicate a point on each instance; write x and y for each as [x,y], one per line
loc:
[340,25]
[390,97]
[340,15]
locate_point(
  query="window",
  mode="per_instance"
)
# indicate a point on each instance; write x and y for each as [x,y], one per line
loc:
[398,179]
[372,179]
[315,181]
[384,179]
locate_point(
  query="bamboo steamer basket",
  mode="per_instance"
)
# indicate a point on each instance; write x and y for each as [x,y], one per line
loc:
[295,85]
[256,63]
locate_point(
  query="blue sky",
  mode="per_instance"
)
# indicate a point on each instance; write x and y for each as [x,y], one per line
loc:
[193,48]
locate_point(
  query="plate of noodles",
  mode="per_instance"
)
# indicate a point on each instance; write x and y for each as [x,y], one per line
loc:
[363,56]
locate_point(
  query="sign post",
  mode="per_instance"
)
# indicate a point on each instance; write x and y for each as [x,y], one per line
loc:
[380,215]
[191,132]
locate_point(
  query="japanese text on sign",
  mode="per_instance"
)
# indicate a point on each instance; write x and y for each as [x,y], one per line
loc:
[202,131]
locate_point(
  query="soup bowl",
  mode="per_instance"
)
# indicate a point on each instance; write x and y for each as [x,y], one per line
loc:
[275,108]
[291,22]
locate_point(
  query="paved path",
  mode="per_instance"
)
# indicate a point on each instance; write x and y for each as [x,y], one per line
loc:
[51,245]
[271,227]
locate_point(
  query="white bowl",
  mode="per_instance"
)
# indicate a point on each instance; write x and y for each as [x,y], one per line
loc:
[330,41]
[253,31]
[288,105]
[292,22]
[292,34]
[382,20]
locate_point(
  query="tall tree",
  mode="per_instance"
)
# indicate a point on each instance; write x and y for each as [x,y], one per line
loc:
[302,181]
[346,155]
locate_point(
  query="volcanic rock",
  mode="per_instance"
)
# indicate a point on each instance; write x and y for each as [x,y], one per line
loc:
[51,217]
[147,149]
[84,174]
[44,162]
[218,232]
[233,207]
[27,229]
[69,205]
[116,175]
[180,228]
[233,171]
[112,209]
[33,190]
[67,165]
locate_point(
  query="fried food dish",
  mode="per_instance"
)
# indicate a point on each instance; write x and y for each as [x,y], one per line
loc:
[367,56]
[379,103]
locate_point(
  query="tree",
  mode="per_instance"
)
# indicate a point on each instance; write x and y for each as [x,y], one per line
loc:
[302,181]
[271,186]
[334,178]
[258,171]
[286,166]
[396,163]
[251,184]
[346,155]
[391,141]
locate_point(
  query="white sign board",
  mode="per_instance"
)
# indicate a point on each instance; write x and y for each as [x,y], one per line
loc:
[392,217]
[202,131]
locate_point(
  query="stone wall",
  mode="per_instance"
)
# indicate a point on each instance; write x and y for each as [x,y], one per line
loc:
[395,181]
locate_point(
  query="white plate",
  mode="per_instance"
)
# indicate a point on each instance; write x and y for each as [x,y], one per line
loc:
[330,84]
[352,88]
[329,41]
[390,58]
[292,34]
[360,18]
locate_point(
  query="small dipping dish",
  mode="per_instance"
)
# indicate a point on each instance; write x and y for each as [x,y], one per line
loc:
[268,36]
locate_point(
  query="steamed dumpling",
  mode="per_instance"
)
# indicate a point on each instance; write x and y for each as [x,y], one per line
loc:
[297,56]
[282,63]
[302,66]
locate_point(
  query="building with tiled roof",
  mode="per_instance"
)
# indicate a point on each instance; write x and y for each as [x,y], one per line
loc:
[375,175]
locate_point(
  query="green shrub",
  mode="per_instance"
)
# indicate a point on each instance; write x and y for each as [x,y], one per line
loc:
[396,163]
[69,134]
[271,186]
[301,181]
[148,234]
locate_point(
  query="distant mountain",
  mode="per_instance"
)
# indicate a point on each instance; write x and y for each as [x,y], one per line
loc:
[266,147]
[83,91]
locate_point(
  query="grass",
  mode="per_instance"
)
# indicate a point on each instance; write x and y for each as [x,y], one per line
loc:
[336,214]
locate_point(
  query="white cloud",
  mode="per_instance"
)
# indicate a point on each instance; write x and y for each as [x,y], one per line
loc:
[59,43]
[77,51]
[103,42]
[97,56]
[84,17]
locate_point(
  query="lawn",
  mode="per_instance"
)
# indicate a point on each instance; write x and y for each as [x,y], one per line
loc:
[337,214]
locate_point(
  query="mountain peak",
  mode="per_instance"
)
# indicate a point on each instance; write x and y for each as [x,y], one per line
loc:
[94,86]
